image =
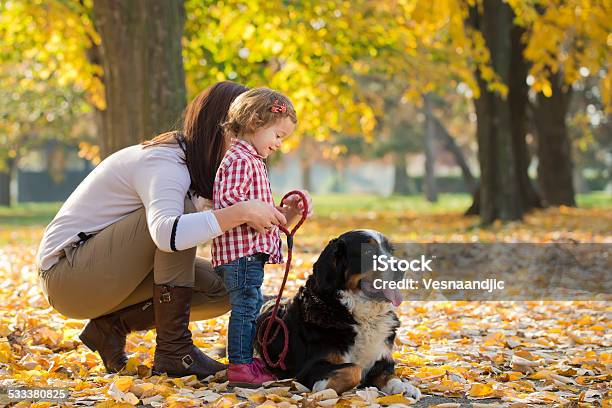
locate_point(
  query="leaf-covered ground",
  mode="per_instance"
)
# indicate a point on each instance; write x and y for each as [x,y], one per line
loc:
[513,354]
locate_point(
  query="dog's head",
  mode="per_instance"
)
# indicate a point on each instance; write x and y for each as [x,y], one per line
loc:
[346,263]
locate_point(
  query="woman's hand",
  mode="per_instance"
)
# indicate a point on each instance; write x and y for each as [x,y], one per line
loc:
[261,216]
[293,207]
[255,213]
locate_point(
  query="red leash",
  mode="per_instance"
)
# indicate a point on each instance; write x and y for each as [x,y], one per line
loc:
[263,337]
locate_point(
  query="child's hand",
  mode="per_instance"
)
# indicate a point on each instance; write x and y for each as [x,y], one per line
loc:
[293,206]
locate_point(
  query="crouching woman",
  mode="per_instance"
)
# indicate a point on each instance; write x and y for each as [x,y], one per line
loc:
[122,249]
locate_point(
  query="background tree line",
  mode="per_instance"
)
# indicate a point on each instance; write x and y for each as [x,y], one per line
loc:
[368,78]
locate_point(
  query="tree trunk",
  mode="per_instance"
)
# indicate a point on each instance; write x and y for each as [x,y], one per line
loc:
[401,180]
[499,188]
[14,184]
[306,157]
[450,145]
[580,184]
[5,189]
[143,69]
[8,183]
[431,190]
[306,167]
[518,98]
[338,184]
[505,191]
[554,148]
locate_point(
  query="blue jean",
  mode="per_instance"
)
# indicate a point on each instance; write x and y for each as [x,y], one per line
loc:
[243,278]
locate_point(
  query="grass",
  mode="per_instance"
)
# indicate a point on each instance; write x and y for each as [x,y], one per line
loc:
[326,204]
[28,214]
[40,214]
[598,199]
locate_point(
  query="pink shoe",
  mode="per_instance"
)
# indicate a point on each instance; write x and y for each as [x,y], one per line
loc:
[251,375]
[260,365]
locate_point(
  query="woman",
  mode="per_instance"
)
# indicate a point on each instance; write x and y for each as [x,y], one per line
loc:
[121,250]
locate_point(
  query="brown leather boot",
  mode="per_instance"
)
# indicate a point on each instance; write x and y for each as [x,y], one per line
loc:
[106,334]
[175,353]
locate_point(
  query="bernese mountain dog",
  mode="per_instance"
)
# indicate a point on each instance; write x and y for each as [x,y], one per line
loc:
[341,329]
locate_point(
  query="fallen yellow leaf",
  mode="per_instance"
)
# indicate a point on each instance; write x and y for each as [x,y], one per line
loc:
[481,390]
[124,383]
[393,399]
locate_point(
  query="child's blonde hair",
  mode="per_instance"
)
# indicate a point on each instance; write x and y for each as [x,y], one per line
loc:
[257,108]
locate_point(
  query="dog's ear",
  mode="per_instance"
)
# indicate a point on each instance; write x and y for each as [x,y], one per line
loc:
[329,269]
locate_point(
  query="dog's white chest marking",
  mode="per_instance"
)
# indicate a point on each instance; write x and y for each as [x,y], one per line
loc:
[375,324]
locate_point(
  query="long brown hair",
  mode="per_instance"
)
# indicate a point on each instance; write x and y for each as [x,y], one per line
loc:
[204,140]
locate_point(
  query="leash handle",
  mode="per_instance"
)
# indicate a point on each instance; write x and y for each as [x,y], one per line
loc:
[305,210]
[264,337]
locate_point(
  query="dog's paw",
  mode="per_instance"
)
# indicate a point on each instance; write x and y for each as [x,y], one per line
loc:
[320,385]
[397,386]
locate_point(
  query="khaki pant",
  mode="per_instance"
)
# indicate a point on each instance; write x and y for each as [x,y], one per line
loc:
[116,268]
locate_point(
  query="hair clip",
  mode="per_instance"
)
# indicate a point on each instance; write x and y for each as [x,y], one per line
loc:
[278,107]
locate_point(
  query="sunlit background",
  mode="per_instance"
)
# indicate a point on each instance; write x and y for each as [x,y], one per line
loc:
[387,93]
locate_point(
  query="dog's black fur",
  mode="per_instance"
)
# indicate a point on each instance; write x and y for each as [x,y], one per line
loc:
[339,335]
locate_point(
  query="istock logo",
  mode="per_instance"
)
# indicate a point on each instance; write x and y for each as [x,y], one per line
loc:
[384,263]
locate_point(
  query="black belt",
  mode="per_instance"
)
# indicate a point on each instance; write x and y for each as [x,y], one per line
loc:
[82,238]
[260,256]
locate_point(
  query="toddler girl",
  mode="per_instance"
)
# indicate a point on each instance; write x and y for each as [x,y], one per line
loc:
[258,122]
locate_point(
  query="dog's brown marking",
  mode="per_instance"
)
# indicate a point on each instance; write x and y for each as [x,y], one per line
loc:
[352,283]
[335,358]
[383,379]
[345,379]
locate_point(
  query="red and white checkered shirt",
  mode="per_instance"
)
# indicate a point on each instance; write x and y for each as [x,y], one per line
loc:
[242,176]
